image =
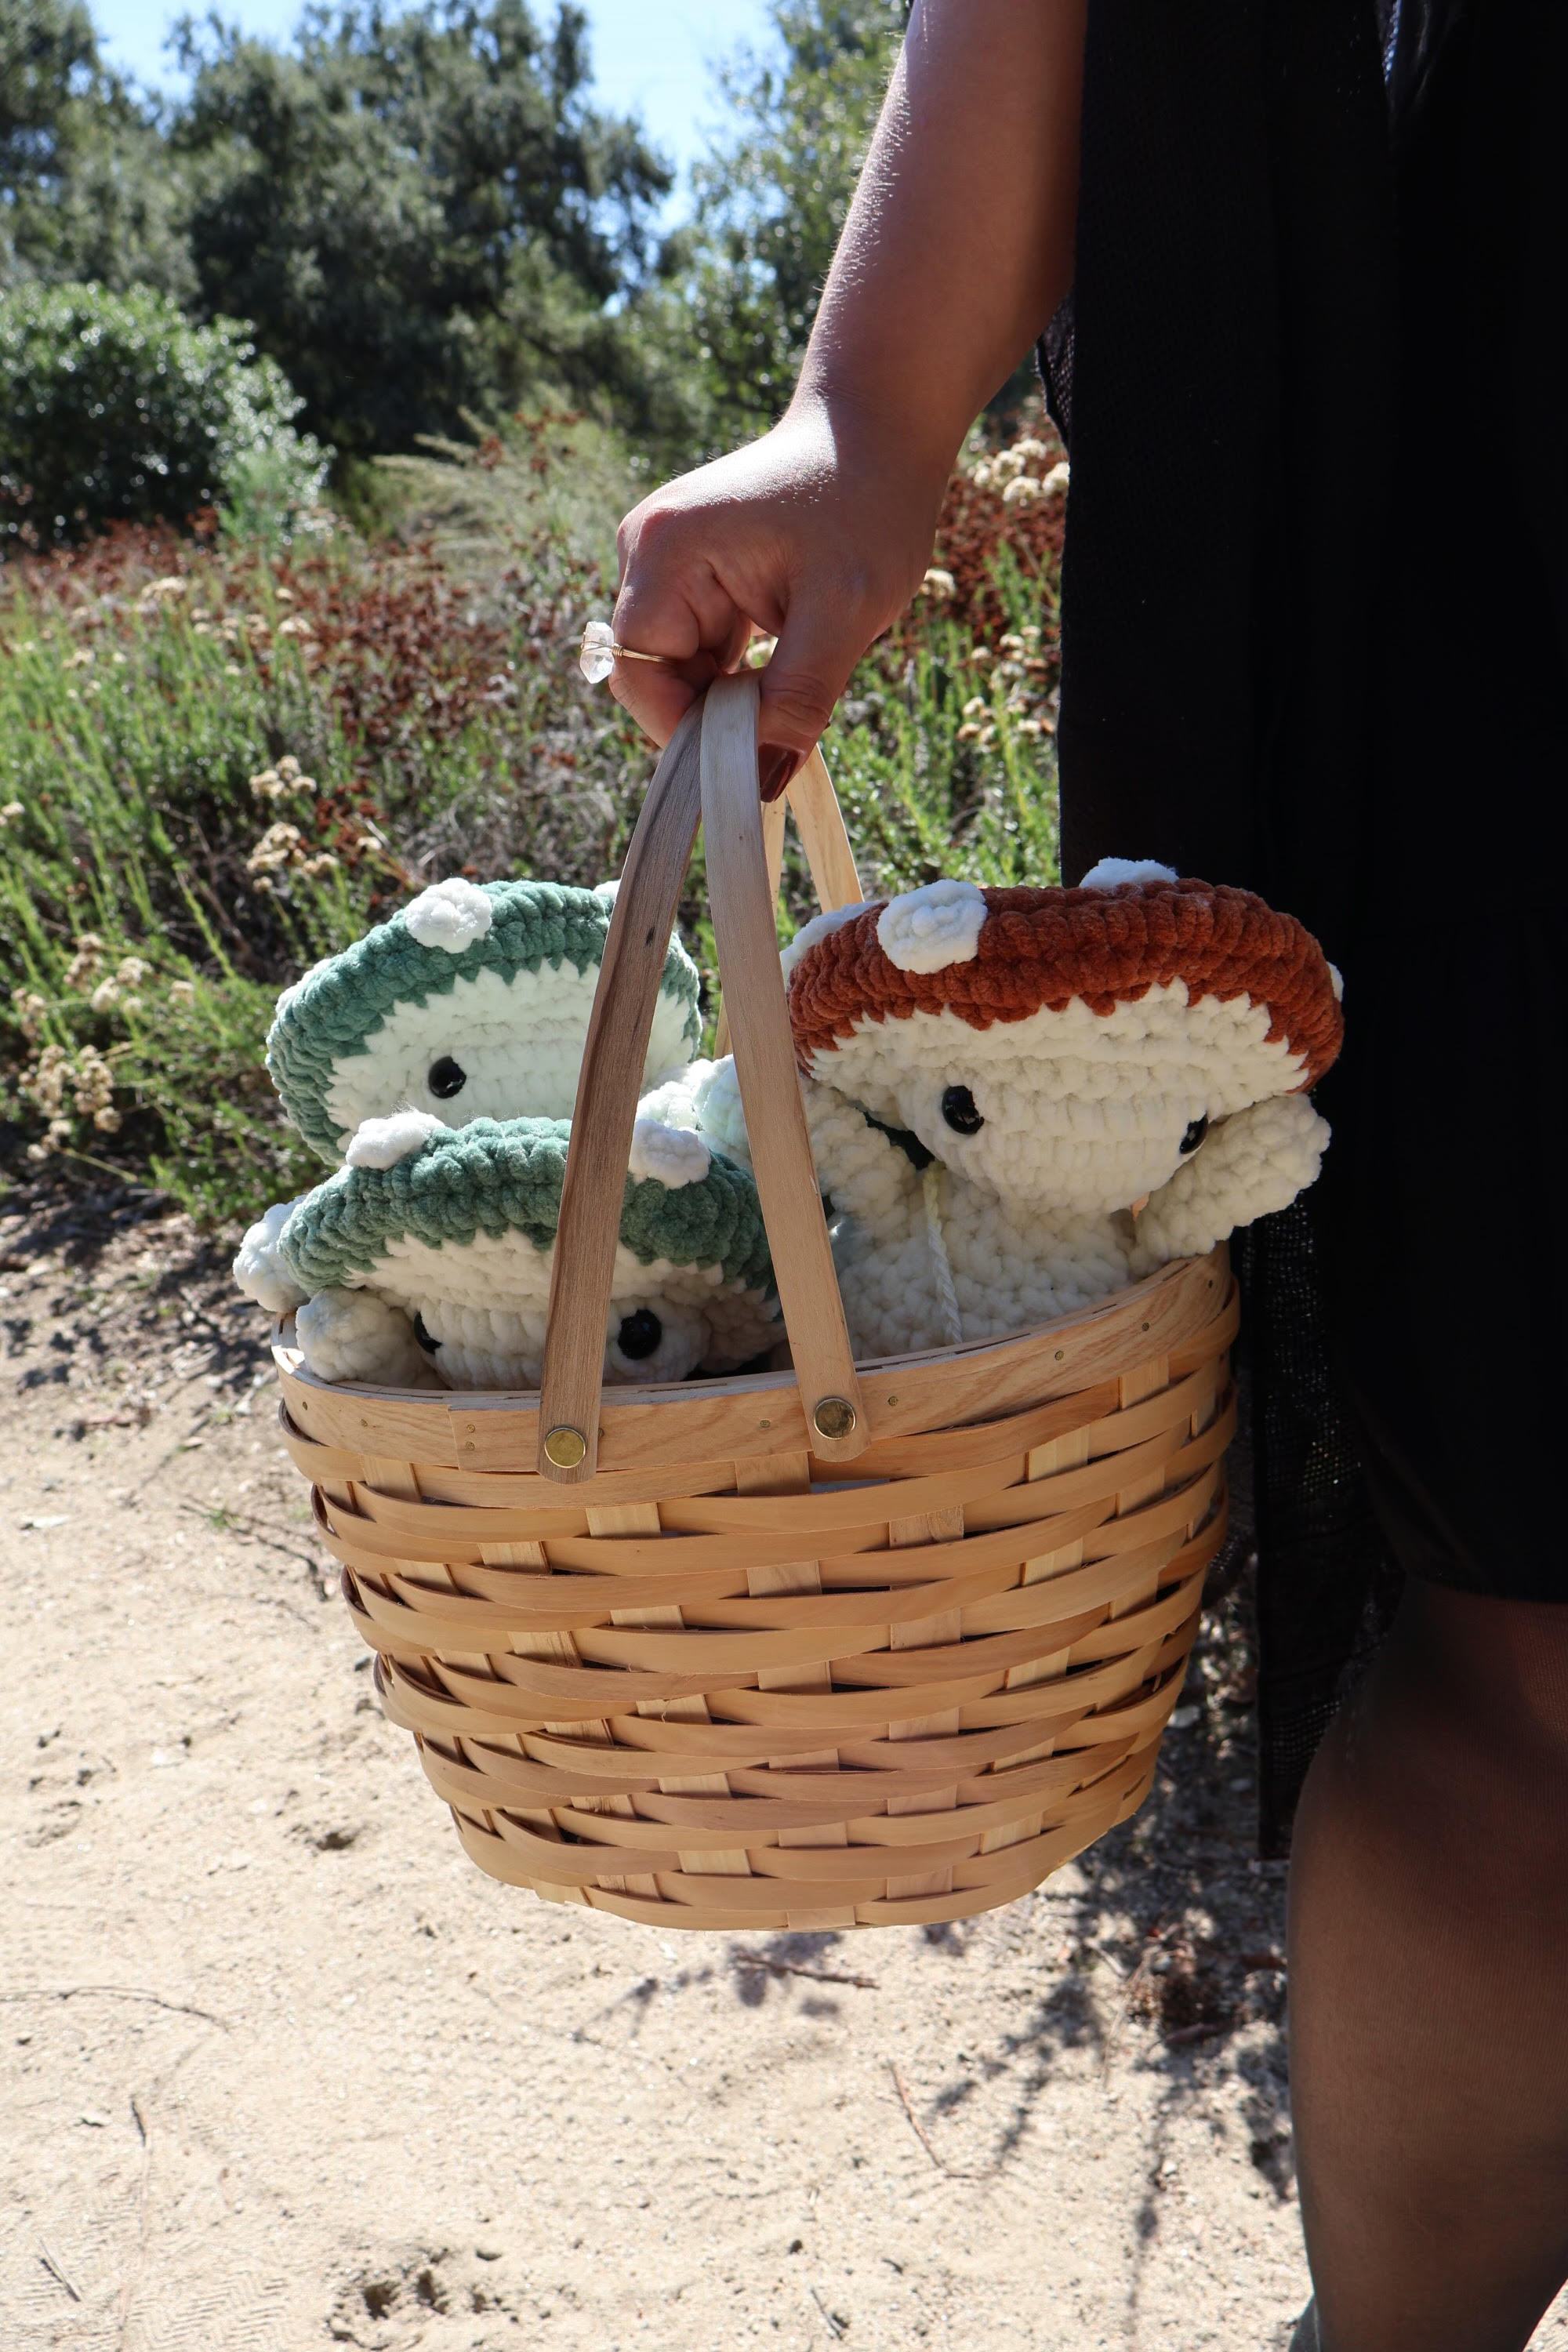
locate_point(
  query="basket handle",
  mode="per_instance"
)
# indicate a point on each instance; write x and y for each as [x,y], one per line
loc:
[709,768]
[819,821]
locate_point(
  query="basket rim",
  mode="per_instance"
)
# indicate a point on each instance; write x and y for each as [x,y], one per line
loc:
[763,1412]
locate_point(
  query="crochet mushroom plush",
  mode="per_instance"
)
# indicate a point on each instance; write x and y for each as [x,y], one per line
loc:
[437,1059]
[471,1003]
[442,1258]
[1021,1099]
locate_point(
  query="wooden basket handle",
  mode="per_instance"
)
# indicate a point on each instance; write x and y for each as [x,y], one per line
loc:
[830,860]
[710,767]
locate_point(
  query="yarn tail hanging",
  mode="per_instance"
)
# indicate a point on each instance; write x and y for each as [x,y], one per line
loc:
[940,1264]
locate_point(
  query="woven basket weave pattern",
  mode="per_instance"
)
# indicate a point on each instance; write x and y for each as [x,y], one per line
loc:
[692,1703]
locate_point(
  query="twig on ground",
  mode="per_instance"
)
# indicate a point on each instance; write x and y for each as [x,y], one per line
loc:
[115,1992]
[920,2133]
[836,2327]
[797,1969]
[137,1417]
[51,2265]
[128,2291]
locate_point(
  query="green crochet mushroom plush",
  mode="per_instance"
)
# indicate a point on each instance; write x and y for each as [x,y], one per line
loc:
[435,1059]
[440,1258]
[471,1003]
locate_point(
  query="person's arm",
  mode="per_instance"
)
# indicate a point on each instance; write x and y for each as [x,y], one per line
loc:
[957,249]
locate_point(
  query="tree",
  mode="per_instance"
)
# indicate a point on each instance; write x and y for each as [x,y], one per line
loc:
[114,408]
[742,284]
[420,213]
[770,203]
[85,187]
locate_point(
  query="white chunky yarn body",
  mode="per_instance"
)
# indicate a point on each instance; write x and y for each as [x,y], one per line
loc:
[1014,1263]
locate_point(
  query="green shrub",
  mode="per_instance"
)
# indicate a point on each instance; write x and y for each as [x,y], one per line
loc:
[216,765]
[114,408]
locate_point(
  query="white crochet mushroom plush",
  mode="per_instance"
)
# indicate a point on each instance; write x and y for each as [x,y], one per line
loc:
[1021,1099]
[435,1059]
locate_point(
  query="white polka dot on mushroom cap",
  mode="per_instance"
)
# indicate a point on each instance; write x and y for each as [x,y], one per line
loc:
[671,1156]
[383,1142]
[450,914]
[1112,872]
[926,930]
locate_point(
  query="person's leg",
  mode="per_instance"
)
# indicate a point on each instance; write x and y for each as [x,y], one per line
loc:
[1429,1985]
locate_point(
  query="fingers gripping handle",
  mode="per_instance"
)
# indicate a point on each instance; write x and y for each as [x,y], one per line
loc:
[709,768]
[745,934]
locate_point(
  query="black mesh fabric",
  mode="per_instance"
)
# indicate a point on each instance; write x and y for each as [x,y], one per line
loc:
[1327,1581]
[1222,373]
[1315,641]
[1312,373]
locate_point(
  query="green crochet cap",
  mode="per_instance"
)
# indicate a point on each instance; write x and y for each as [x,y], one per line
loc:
[331,1014]
[501,1176]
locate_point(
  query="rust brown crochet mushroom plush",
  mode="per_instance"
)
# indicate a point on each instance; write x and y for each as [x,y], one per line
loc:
[994,1079]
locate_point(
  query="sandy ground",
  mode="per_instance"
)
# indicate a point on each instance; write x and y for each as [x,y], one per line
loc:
[280,2067]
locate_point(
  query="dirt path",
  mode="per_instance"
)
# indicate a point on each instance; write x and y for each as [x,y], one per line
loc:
[278,2066]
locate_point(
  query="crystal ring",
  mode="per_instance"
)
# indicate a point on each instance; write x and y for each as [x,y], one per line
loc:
[598,653]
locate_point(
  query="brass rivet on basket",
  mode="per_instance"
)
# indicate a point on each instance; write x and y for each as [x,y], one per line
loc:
[892,1400]
[564,1447]
[832,1417]
[1145,1326]
[764,1424]
[1060,1353]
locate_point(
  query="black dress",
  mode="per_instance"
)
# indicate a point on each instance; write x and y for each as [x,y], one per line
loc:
[1314,376]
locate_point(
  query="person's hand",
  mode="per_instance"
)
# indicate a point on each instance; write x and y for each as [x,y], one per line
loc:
[817,534]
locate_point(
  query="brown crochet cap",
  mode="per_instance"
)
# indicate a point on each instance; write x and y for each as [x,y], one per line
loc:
[1044,947]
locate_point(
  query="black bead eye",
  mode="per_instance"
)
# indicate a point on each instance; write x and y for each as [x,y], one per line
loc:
[422,1336]
[639,1334]
[1194,1136]
[446,1079]
[958,1109]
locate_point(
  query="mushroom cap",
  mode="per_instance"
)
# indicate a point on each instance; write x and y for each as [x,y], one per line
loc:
[511,966]
[501,1179]
[1064,1048]
[1039,950]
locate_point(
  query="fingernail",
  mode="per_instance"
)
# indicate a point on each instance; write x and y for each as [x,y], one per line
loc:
[776,769]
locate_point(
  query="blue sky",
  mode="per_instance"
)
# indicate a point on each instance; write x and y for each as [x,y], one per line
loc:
[652,57]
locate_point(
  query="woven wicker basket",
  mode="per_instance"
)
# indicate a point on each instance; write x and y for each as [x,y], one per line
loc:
[844,1645]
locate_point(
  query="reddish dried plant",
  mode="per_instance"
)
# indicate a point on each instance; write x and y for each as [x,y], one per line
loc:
[1010,505]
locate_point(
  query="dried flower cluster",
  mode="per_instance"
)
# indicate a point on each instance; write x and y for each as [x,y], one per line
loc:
[277,784]
[1022,682]
[1008,472]
[284,845]
[1009,502]
[88,1080]
[335,830]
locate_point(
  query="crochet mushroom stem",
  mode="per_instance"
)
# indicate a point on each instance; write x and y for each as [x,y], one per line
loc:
[352,1335]
[260,1268]
[1251,1164]
[926,1259]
